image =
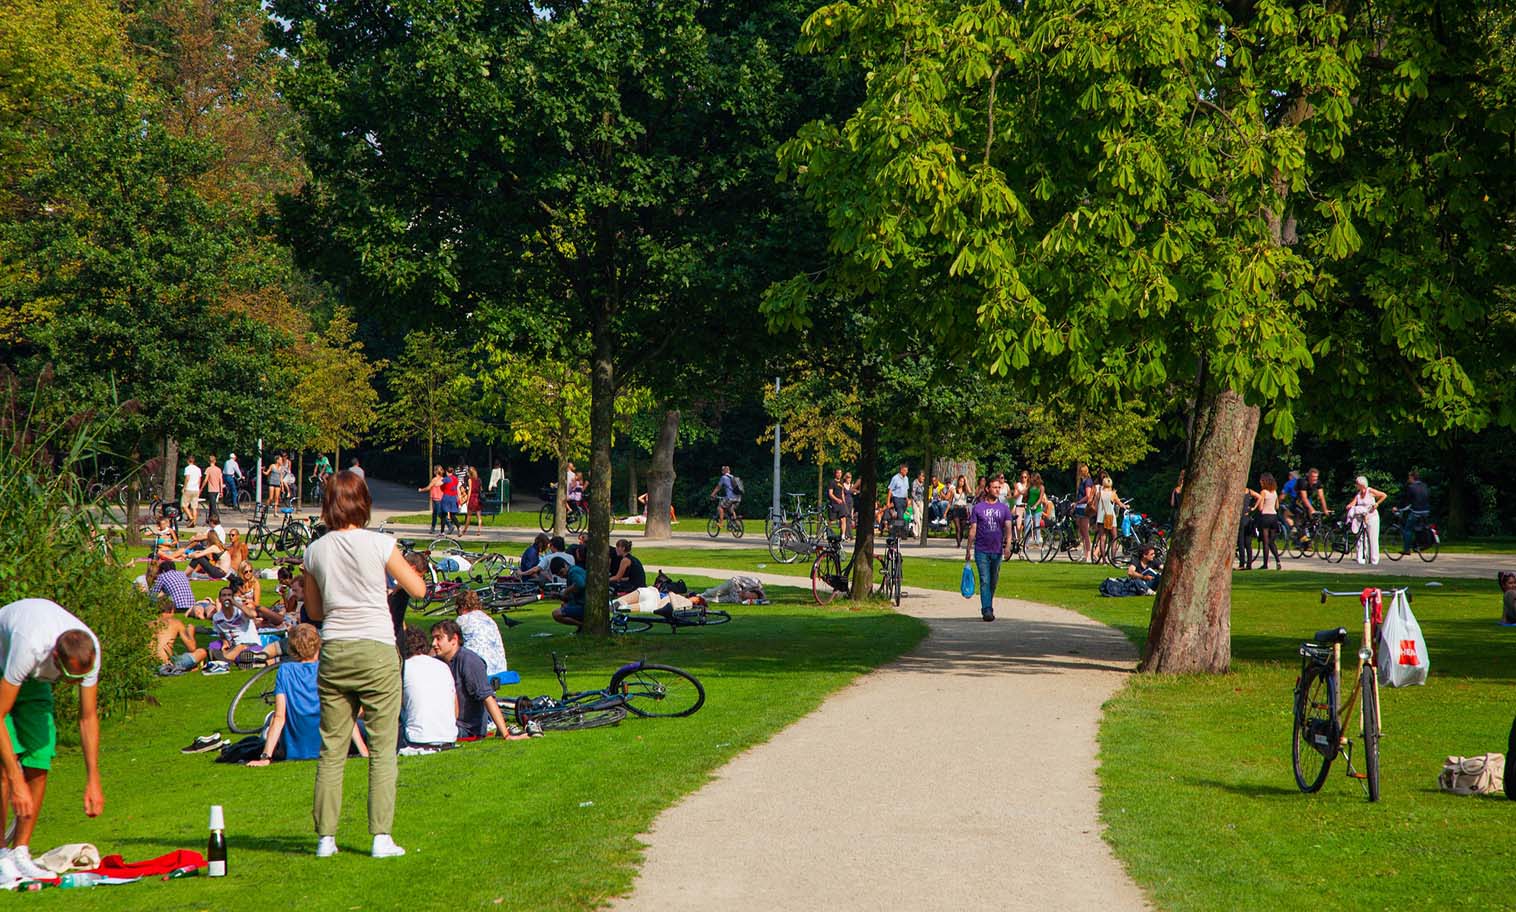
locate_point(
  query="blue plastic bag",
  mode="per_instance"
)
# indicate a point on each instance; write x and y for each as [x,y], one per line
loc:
[967,586]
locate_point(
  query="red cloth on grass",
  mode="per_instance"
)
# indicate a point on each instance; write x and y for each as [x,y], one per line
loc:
[116,866]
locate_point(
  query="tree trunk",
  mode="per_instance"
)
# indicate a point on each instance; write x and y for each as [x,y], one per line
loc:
[1191,627]
[602,421]
[868,485]
[560,501]
[132,529]
[631,485]
[170,468]
[660,479]
[821,484]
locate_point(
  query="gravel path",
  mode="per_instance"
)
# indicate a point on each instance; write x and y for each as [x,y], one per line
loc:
[960,777]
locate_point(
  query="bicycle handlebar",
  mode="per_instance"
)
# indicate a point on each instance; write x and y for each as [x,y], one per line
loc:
[1393,591]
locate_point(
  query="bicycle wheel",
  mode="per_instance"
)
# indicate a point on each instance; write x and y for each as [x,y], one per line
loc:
[826,567]
[255,542]
[784,545]
[577,718]
[1321,541]
[622,623]
[1313,747]
[713,618]
[713,527]
[1075,551]
[1052,543]
[1427,544]
[444,545]
[578,520]
[253,702]
[658,691]
[1391,541]
[1342,540]
[736,527]
[1370,730]
[896,573]
[545,518]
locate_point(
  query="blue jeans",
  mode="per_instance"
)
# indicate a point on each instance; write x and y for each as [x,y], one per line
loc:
[1413,521]
[988,565]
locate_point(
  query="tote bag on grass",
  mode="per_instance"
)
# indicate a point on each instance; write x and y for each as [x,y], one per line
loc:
[967,585]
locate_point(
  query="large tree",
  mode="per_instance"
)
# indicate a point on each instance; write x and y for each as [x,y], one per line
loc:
[1141,194]
[598,158]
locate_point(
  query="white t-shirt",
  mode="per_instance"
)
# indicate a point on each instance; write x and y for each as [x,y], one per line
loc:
[29,629]
[349,568]
[191,477]
[357,470]
[546,562]
[427,701]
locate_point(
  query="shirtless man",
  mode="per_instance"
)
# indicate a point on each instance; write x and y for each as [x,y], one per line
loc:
[167,629]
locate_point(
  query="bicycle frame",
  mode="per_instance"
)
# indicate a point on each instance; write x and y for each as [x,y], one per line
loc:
[1366,657]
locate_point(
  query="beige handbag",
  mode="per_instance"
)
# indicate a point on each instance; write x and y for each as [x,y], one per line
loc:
[1480,775]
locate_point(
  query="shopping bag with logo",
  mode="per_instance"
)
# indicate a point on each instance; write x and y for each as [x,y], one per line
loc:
[1403,659]
[966,586]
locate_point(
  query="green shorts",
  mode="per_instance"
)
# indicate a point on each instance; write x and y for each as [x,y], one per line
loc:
[30,725]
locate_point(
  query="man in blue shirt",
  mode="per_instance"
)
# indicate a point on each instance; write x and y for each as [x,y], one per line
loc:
[725,493]
[533,553]
[900,488]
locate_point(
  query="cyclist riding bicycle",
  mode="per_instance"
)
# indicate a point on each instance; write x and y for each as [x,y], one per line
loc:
[727,493]
[1416,503]
[1312,487]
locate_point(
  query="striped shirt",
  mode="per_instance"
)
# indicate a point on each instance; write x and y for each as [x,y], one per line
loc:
[176,586]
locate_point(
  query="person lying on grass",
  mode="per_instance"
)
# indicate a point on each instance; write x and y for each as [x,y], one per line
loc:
[476,698]
[294,731]
[648,600]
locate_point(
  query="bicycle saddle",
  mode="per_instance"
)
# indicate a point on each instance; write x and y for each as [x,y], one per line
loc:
[1327,637]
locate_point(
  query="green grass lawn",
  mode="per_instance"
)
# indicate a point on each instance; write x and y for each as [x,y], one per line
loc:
[1197,790]
[549,823]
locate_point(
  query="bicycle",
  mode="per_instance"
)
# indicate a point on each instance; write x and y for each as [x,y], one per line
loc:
[1320,719]
[624,622]
[253,704]
[576,516]
[733,521]
[891,568]
[1425,542]
[642,688]
[291,536]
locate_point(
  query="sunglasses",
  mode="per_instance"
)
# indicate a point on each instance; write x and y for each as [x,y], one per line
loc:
[69,675]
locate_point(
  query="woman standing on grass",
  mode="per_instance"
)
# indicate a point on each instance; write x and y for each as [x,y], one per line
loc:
[345,592]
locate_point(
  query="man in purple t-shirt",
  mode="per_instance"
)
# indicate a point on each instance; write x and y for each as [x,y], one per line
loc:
[989,533]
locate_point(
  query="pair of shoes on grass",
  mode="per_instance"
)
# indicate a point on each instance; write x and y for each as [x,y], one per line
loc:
[200,745]
[216,668]
[532,729]
[383,847]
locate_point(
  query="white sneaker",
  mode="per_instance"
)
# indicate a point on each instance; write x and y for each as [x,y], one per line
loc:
[10,872]
[22,857]
[384,847]
[326,847]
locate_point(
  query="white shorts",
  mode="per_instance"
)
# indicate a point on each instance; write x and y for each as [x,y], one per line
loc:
[648,599]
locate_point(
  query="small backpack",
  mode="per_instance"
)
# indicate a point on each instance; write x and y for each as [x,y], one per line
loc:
[1480,775]
[737,486]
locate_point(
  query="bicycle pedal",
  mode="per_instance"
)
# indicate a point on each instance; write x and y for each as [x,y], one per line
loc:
[1357,775]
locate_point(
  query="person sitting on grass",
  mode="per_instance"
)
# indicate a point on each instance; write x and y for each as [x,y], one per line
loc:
[171,583]
[627,572]
[166,630]
[399,600]
[1507,581]
[572,610]
[543,572]
[211,560]
[481,635]
[532,556]
[1145,567]
[429,709]
[294,731]
[238,630]
[476,699]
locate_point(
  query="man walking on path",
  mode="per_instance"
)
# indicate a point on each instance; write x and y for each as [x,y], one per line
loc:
[191,494]
[989,526]
[42,645]
[231,475]
[215,481]
[900,488]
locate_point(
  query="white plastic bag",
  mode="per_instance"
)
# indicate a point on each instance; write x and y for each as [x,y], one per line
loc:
[1403,658]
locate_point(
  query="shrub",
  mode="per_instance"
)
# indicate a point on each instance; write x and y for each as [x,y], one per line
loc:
[49,548]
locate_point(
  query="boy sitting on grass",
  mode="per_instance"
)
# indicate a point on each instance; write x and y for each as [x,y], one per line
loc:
[1507,581]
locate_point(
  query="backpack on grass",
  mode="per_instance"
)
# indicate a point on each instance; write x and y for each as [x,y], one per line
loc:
[1480,775]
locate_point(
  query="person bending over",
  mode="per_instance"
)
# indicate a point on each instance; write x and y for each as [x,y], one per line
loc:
[172,584]
[429,700]
[572,610]
[471,683]
[42,646]
[294,731]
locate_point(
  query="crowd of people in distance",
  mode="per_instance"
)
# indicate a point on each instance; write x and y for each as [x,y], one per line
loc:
[460,491]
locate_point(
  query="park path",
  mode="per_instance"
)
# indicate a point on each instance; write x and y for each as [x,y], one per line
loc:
[961,776]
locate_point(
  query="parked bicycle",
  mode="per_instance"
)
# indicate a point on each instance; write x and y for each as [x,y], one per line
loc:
[1321,720]
[642,688]
[831,578]
[624,622]
[890,569]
